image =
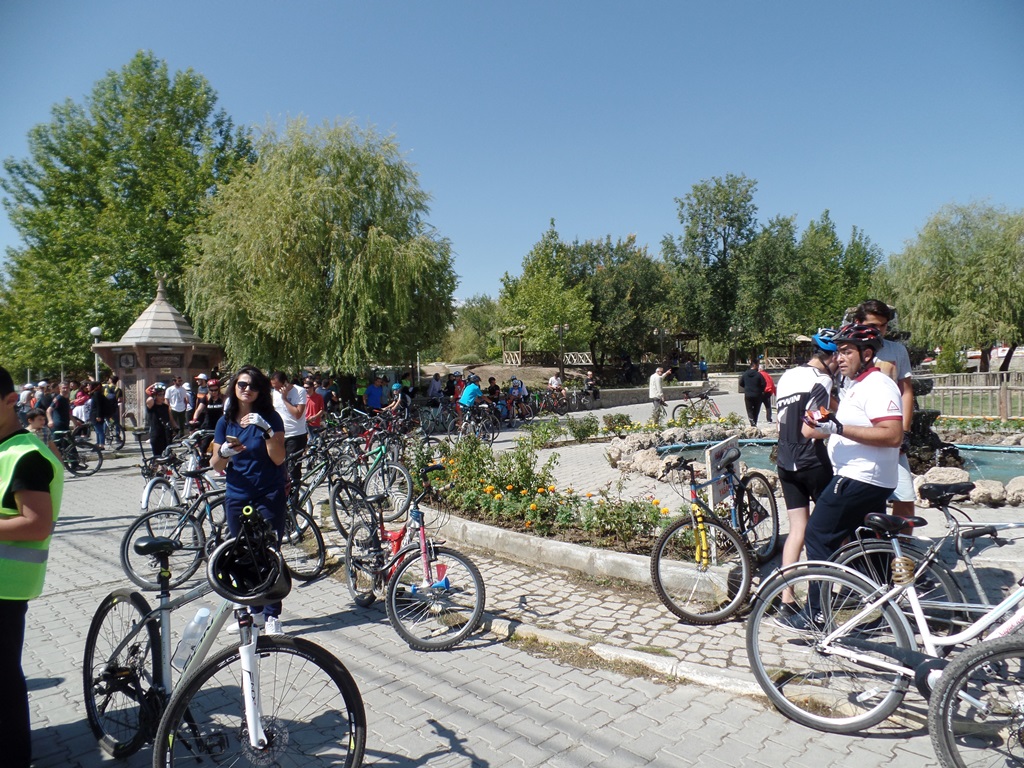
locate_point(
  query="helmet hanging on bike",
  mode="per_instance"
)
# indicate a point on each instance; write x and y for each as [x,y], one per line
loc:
[246,569]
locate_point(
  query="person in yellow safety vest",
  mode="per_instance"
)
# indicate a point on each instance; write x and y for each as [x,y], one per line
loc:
[31,484]
[361,384]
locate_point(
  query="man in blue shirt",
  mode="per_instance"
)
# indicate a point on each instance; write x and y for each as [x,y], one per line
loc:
[373,397]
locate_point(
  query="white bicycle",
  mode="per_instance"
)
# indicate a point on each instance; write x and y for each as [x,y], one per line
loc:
[272,700]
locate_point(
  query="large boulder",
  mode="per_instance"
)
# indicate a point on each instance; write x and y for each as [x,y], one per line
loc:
[989,492]
[945,475]
[1015,491]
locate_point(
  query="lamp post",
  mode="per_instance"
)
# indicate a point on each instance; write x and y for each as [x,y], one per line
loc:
[561,329]
[660,334]
[96,332]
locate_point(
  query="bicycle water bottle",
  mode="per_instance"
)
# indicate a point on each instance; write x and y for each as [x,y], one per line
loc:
[190,638]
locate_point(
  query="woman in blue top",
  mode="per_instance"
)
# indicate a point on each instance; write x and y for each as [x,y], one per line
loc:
[248,446]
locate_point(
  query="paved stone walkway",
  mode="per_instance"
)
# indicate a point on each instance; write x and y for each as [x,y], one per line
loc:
[485,703]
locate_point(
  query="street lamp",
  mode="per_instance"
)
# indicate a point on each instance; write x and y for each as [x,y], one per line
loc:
[561,330]
[660,334]
[96,332]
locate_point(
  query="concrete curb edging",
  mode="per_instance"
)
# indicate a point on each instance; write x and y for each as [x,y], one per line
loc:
[535,550]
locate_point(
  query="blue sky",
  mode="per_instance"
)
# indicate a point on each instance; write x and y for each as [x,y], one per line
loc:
[597,114]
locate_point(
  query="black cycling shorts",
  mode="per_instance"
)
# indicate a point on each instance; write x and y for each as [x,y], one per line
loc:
[801,486]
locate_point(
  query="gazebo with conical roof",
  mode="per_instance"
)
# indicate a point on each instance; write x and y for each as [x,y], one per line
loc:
[159,345]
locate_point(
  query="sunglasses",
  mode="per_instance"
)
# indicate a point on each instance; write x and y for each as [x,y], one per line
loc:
[243,385]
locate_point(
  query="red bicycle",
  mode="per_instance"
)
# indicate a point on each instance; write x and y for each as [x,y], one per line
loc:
[434,595]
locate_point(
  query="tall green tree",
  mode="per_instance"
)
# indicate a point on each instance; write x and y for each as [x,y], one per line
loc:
[769,305]
[961,283]
[719,221]
[320,253]
[629,292]
[549,293]
[473,335]
[109,193]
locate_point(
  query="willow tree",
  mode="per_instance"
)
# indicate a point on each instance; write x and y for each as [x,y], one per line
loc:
[319,253]
[961,282]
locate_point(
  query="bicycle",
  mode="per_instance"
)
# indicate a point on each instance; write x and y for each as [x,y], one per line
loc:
[702,564]
[699,407]
[79,457]
[434,595]
[259,701]
[849,661]
[976,712]
[192,526]
[479,421]
[938,587]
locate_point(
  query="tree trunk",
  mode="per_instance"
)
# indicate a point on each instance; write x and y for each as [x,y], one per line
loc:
[1005,365]
[983,361]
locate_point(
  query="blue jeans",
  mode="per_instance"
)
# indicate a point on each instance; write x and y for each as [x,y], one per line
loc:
[101,431]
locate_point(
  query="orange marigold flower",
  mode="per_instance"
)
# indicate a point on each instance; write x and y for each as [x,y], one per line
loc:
[497,497]
[508,487]
[533,507]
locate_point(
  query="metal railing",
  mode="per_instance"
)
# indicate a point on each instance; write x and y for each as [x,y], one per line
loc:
[976,395]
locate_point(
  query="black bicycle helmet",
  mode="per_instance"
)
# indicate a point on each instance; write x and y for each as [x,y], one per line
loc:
[859,335]
[247,570]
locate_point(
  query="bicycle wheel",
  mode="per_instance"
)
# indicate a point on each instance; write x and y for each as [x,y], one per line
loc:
[561,405]
[935,585]
[312,711]
[526,413]
[681,413]
[121,705]
[302,545]
[348,504]
[701,570]
[115,435]
[173,524]
[435,611]
[976,713]
[83,458]
[394,481]
[585,402]
[159,493]
[364,559]
[759,516]
[833,692]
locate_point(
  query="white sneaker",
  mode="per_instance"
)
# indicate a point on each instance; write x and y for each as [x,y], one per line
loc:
[274,626]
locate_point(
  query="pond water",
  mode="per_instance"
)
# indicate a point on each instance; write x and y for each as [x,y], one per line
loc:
[982,464]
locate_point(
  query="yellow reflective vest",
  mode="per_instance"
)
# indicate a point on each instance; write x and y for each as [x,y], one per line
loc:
[23,563]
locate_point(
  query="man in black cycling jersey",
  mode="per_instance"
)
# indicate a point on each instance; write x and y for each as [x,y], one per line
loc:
[803,463]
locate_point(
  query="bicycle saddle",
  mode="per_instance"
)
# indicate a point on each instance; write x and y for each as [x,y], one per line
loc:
[194,472]
[890,525]
[156,545]
[730,457]
[944,491]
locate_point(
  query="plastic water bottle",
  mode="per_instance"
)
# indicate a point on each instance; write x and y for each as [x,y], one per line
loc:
[190,638]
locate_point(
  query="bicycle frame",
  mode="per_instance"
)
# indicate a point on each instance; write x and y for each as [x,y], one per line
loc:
[831,643]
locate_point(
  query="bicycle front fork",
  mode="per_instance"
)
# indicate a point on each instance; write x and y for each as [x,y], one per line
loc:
[251,682]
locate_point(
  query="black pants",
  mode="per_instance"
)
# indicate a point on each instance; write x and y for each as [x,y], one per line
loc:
[291,445]
[753,407]
[767,400]
[15,731]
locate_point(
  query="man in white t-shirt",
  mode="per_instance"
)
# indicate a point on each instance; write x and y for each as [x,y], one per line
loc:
[655,393]
[894,361]
[290,402]
[177,402]
[864,438]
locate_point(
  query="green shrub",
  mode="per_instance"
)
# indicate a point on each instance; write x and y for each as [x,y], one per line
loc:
[617,422]
[583,429]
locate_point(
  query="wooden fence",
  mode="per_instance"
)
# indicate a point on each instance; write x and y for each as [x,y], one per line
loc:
[976,395]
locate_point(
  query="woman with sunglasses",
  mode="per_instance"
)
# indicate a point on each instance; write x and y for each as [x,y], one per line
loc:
[248,446]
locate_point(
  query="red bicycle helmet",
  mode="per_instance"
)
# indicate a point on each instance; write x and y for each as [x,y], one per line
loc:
[859,335]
